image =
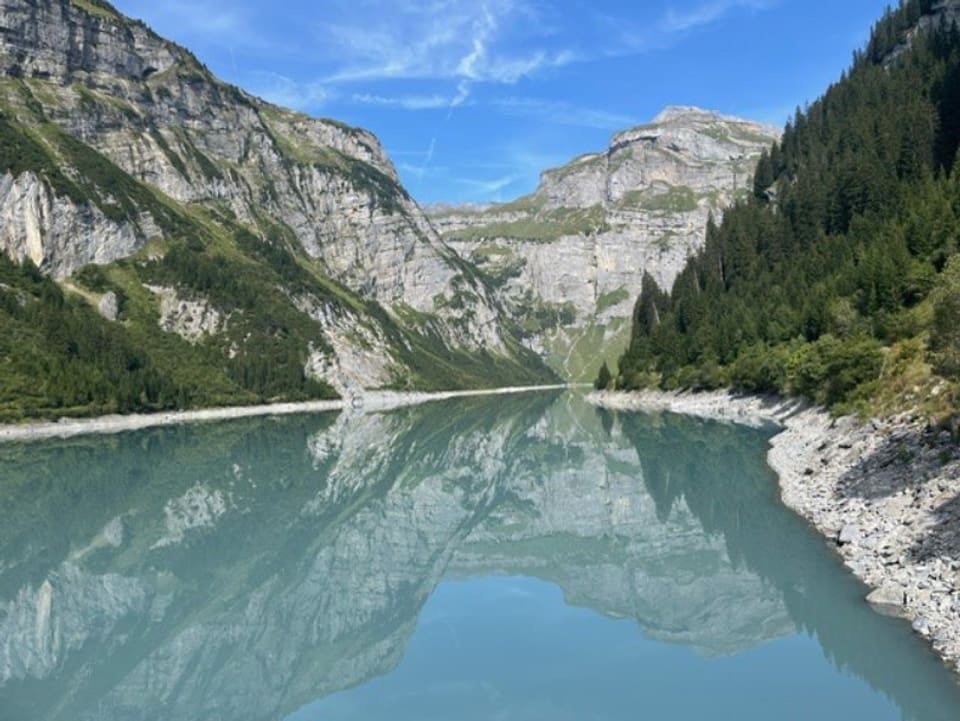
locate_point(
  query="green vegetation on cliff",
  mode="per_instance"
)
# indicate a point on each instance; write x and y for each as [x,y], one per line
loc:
[546,226]
[60,357]
[228,299]
[837,279]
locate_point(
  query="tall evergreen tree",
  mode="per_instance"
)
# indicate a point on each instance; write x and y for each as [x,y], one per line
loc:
[604,378]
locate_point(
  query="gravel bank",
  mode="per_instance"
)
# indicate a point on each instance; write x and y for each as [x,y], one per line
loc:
[372,401]
[885,493]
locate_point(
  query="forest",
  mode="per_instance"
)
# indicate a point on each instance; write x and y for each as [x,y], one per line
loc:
[59,357]
[838,280]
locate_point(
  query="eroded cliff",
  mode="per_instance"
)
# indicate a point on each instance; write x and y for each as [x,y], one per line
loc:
[120,148]
[569,259]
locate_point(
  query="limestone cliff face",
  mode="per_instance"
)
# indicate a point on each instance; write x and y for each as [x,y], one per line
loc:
[130,133]
[55,233]
[594,226]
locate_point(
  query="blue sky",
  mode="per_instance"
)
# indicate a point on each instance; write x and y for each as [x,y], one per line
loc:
[473,98]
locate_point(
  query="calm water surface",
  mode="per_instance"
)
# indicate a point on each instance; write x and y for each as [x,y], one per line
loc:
[513,558]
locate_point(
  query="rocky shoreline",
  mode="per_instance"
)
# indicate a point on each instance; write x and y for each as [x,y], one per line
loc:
[371,401]
[884,492]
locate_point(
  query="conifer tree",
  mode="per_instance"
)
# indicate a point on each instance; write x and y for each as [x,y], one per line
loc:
[604,378]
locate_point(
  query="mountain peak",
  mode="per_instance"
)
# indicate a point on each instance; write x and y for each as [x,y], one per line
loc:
[679,114]
[676,112]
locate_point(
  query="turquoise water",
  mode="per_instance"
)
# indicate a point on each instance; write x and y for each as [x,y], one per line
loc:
[503,558]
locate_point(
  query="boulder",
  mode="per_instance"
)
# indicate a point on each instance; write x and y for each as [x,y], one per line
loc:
[109,306]
[888,600]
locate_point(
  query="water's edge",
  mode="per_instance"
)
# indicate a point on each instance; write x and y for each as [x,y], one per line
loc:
[369,401]
[838,475]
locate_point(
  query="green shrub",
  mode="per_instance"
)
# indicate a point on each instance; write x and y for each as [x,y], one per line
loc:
[945,338]
[759,369]
[829,370]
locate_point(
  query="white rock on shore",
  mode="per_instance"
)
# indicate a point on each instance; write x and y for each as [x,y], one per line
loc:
[886,492]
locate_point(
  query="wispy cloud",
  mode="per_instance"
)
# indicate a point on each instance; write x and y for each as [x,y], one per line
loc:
[226,23]
[463,41]
[502,174]
[488,189]
[417,171]
[500,180]
[631,37]
[430,152]
[287,92]
[706,13]
[420,170]
[408,102]
[563,113]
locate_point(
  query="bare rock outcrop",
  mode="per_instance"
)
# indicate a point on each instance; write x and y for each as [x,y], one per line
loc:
[592,229]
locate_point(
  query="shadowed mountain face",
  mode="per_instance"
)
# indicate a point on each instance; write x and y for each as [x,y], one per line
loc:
[245,570]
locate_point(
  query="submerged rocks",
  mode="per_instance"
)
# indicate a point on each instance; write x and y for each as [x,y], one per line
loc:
[890,489]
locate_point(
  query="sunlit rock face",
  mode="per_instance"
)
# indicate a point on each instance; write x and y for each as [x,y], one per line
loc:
[593,227]
[143,133]
[279,561]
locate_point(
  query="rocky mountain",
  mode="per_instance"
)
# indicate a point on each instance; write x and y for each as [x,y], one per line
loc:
[120,149]
[569,259]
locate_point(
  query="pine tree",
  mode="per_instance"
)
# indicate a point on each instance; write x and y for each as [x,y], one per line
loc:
[604,377]
[763,177]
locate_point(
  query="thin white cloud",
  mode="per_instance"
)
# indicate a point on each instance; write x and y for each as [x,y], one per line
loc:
[471,62]
[407,153]
[411,102]
[631,37]
[491,187]
[706,13]
[225,23]
[458,40]
[420,170]
[286,92]
[433,101]
[562,113]
[463,92]
[463,42]
[496,181]
[430,151]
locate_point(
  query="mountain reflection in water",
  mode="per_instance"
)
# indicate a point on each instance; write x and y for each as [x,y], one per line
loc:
[249,569]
